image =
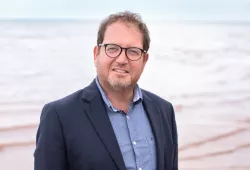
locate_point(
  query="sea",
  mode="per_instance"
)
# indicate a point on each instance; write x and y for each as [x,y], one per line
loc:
[202,68]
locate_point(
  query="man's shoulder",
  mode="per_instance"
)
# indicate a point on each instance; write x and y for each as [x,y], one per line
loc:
[72,98]
[67,99]
[155,97]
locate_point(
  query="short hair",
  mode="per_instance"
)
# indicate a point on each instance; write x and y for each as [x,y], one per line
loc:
[126,17]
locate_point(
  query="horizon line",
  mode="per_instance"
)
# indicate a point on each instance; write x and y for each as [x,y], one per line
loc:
[145,19]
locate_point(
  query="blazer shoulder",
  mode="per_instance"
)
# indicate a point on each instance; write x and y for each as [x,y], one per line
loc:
[66,101]
[154,97]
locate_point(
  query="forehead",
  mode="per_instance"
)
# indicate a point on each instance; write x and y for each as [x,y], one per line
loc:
[124,34]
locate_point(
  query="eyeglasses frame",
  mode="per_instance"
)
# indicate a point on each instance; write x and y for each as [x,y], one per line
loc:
[105,45]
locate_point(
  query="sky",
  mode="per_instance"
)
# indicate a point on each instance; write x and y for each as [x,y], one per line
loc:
[230,10]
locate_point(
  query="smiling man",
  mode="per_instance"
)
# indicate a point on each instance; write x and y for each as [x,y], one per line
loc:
[112,124]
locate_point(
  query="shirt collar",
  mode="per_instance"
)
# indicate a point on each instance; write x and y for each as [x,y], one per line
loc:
[137,95]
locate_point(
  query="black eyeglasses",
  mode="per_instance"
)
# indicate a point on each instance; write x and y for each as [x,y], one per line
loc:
[114,50]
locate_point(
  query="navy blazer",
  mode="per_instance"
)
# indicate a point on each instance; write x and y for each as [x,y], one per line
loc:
[75,133]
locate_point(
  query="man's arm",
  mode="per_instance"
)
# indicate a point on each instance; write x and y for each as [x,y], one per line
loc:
[175,139]
[50,152]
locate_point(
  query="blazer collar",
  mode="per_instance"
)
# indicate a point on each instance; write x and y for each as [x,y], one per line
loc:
[90,91]
[96,111]
[155,119]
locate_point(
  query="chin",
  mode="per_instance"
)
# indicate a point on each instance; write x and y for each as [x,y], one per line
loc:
[119,83]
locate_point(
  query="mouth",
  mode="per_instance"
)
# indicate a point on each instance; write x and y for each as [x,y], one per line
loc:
[120,70]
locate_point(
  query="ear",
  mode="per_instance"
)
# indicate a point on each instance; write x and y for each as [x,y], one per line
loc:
[95,52]
[145,58]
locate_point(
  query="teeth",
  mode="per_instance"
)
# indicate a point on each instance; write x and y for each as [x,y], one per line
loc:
[120,71]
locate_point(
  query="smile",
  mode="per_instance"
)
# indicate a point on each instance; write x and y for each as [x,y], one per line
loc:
[120,70]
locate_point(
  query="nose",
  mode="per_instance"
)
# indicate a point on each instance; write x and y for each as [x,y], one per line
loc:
[122,58]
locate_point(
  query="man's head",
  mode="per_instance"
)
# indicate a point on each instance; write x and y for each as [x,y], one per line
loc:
[116,66]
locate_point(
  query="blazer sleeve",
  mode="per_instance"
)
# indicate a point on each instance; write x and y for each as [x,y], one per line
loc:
[50,152]
[175,139]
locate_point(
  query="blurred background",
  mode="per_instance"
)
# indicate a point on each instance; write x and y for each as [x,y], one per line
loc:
[199,61]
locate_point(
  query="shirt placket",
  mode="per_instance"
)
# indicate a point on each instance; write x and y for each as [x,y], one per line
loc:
[134,138]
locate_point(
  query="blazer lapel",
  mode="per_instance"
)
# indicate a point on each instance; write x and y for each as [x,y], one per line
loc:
[96,111]
[155,120]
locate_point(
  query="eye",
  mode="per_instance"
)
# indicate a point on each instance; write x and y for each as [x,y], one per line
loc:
[134,51]
[112,48]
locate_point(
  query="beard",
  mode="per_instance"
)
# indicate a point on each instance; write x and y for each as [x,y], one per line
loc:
[116,82]
[120,83]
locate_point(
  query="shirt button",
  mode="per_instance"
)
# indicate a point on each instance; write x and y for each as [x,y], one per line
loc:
[128,117]
[134,142]
[140,168]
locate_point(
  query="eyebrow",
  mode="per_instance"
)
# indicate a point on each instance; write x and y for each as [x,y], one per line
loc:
[125,46]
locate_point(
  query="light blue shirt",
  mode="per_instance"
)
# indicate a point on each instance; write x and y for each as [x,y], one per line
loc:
[133,132]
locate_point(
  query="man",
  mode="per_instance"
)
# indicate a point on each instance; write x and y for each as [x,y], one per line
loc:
[111,124]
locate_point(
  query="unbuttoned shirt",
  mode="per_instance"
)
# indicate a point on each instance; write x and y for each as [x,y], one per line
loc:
[133,132]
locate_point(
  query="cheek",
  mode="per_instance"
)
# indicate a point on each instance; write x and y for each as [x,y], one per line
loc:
[104,65]
[137,68]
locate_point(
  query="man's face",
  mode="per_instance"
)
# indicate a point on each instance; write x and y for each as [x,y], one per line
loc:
[120,72]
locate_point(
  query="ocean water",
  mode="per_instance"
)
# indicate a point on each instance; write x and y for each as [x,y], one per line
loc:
[193,65]
[203,69]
